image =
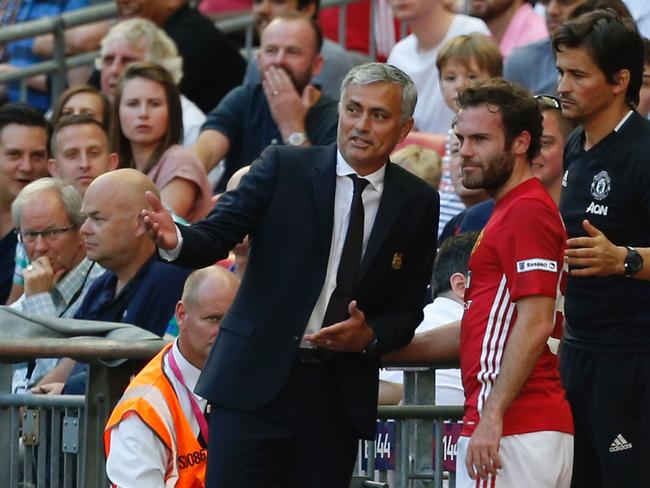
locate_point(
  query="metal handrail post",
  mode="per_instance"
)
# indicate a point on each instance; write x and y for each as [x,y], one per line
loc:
[60,75]
[343,12]
[425,394]
[372,45]
[5,425]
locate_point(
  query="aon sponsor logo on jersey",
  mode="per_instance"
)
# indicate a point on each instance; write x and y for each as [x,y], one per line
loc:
[597,209]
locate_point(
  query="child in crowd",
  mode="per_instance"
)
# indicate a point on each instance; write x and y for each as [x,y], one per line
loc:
[421,161]
[461,60]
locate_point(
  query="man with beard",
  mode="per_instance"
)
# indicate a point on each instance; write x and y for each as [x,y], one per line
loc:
[513,23]
[284,109]
[517,427]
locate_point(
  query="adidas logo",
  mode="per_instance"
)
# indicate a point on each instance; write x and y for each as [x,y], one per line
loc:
[619,444]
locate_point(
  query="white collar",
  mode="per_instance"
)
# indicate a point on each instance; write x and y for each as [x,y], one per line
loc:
[375,178]
[189,371]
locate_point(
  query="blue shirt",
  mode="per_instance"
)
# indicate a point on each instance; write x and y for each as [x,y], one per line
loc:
[244,117]
[148,300]
[20,52]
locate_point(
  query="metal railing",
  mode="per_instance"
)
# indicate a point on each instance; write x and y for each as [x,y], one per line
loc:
[53,460]
[60,64]
[57,441]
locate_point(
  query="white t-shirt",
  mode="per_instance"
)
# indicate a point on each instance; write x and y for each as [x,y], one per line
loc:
[193,119]
[431,112]
[449,387]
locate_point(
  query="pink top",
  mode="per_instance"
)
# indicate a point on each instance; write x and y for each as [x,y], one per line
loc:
[525,27]
[178,162]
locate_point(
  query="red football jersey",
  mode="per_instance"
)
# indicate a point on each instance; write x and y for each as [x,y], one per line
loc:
[519,253]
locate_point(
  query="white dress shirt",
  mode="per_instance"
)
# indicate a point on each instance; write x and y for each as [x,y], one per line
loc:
[138,458]
[342,201]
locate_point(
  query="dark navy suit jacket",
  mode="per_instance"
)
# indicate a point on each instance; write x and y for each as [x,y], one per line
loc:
[286,205]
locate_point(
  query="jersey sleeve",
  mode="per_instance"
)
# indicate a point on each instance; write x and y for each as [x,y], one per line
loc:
[532,250]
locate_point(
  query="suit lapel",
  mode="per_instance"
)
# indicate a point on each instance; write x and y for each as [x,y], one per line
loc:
[390,206]
[324,182]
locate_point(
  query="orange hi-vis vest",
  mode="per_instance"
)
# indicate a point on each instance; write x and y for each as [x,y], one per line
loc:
[152,397]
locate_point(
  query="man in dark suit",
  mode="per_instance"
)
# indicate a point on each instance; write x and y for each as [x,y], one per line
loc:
[342,245]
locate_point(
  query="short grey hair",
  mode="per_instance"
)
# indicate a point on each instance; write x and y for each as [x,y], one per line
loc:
[368,73]
[143,34]
[70,197]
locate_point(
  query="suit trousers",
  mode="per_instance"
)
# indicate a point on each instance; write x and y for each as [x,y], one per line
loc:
[302,438]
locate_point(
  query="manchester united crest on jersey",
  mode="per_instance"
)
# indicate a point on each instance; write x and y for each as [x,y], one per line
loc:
[600,186]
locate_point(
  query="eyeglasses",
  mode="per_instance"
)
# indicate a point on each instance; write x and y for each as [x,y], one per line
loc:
[549,101]
[30,236]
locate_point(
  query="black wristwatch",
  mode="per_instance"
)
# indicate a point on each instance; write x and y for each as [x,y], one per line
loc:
[633,262]
[372,345]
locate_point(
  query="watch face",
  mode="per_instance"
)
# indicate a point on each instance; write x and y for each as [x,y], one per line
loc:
[297,139]
[633,261]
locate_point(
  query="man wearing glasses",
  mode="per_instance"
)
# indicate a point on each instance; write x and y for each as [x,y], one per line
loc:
[47,214]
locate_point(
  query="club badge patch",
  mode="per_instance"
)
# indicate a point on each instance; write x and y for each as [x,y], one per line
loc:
[601,185]
[397,261]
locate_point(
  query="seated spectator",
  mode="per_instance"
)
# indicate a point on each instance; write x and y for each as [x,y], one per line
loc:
[450,278]
[460,60]
[336,61]
[83,99]
[47,215]
[420,161]
[149,443]
[512,23]
[533,65]
[212,65]
[81,153]
[24,135]
[141,40]
[136,288]
[146,136]
[431,26]
[285,108]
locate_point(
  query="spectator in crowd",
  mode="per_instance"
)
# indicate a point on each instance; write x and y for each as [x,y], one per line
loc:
[25,52]
[212,65]
[421,161]
[513,23]
[83,99]
[461,59]
[146,135]
[640,11]
[149,443]
[644,94]
[24,135]
[431,26]
[284,108]
[533,65]
[477,203]
[138,39]
[547,166]
[605,352]
[450,278]
[517,426]
[336,61]
[47,215]
[314,326]
[136,288]
[81,153]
